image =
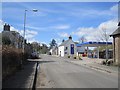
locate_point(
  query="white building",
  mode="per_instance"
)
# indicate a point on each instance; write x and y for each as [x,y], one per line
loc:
[80,49]
[54,50]
[67,48]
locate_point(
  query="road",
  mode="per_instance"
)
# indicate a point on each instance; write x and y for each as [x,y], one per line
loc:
[57,72]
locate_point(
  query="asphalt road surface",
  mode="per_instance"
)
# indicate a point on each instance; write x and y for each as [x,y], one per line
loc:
[56,72]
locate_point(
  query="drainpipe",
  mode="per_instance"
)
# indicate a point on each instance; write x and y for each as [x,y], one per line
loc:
[87,51]
[114,49]
[98,52]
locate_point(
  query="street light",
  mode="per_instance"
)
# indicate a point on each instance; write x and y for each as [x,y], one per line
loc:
[34,10]
[23,49]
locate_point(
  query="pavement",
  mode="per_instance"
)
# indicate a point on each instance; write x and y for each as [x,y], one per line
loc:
[94,63]
[22,78]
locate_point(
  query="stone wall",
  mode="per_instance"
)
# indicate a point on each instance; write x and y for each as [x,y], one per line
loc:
[117,50]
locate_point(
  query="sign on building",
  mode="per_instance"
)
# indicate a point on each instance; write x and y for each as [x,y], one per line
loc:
[72,48]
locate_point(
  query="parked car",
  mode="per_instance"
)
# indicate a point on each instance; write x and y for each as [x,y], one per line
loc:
[35,55]
[84,55]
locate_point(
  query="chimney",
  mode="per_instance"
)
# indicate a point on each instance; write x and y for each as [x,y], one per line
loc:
[70,37]
[6,27]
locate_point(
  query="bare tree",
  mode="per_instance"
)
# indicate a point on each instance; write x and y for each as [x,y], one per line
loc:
[82,39]
[104,36]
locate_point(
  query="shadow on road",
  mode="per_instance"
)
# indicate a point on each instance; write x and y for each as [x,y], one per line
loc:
[40,62]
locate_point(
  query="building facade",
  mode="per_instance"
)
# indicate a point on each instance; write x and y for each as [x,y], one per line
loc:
[67,48]
[54,50]
[116,46]
[15,38]
[80,50]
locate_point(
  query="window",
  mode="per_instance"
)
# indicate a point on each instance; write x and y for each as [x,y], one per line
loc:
[66,48]
[65,52]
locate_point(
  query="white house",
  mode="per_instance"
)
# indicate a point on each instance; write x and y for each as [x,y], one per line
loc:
[54,50]
[67,48]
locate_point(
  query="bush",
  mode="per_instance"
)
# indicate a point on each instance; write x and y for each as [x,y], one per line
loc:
[74,57]
[103,62]
[11,60]
[80,58]
[5,40]
[109,62]
[68,56]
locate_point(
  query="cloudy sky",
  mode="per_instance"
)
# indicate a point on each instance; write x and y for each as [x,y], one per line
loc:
[57,20]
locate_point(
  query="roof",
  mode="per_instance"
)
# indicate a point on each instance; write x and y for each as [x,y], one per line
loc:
[117,32]
[54,48]
[93,44]
[63,43]
[76,42]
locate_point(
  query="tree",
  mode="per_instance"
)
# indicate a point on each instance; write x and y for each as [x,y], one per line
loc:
[63,40]
[104,36]
[82,39]
[35,46]
[53,43]
[6,40]
[43,49]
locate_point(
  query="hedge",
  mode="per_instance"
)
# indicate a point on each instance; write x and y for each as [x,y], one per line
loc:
[11,60]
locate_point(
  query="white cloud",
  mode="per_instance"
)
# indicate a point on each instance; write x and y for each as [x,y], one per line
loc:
[31,32]
[110,25]
[49,28]
[83,31]
[93,34]
[1,25]
[30,40]
[114,8]
[28,33]
[63,34]
[61,27]
[112,11]
[58,40]
[14,29]
[31,27]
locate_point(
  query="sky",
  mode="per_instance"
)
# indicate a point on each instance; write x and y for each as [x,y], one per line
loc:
[59,20]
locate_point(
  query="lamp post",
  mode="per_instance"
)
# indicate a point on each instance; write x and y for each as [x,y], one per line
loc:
[23,49]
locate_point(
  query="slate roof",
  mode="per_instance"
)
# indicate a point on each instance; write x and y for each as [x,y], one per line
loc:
[64,43]
[76,42]
[117,32]
[55,47]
